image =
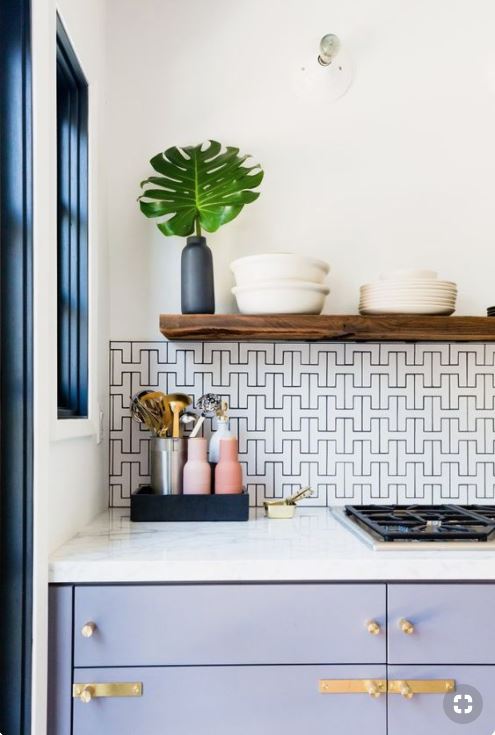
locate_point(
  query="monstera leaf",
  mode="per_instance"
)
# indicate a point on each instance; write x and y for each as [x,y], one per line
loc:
[202,186]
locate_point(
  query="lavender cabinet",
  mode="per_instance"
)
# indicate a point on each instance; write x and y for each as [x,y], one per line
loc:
[240,700]
[217,624]
[452,623]
[425,713]
[246,659]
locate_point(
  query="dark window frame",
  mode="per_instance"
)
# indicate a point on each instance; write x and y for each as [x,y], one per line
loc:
[72,231]
[16,367]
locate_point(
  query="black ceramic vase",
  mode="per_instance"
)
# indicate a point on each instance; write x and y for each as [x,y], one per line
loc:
[197,289]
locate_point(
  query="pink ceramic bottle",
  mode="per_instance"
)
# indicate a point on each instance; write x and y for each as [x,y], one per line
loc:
[228,472]
[197,472]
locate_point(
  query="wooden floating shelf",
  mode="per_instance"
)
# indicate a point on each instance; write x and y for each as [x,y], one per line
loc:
[326,328]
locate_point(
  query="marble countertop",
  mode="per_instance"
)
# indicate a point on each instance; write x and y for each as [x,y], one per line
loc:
[312,546]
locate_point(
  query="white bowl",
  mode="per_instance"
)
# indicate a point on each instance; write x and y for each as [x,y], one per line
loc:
[278,266]
[281,297]
[407,274]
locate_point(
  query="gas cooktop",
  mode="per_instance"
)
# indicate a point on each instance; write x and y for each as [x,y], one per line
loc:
[425,526]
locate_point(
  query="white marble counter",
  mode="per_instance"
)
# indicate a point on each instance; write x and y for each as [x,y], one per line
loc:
[312,546]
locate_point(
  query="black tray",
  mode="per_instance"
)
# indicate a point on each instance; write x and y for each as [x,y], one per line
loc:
[146,506]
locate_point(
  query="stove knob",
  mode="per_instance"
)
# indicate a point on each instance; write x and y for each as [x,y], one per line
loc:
[374,628]
[406,626]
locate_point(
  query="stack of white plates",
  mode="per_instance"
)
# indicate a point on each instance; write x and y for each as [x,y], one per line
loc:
[408,292]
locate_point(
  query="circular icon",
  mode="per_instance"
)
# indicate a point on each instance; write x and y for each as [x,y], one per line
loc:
[464,705]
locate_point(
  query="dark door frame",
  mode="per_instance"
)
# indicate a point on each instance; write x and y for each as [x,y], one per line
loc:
[16,368]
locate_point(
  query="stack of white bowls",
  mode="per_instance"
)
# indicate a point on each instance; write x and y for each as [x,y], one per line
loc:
[408,292]
[280,283]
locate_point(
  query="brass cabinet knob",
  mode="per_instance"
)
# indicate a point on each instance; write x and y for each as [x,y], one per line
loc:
[88,629]
[406,626]
[374,690]
[406,690]
[86,695]
[374,628]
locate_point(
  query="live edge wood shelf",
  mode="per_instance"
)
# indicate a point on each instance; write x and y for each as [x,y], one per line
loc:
[326,328]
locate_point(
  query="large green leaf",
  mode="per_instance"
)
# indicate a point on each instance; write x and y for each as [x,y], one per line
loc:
[201,186]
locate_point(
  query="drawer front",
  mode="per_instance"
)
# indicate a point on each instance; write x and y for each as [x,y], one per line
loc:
[425,713]
[452,624]
[229,624]
[225,700]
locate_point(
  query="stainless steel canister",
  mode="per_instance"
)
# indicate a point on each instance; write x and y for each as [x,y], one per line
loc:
[167,459]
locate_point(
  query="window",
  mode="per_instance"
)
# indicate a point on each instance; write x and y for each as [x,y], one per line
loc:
[72,231]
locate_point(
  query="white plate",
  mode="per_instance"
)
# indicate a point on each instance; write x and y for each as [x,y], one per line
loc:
[411,284]
[397,300]
[409,291]
[408,274]
[426,310]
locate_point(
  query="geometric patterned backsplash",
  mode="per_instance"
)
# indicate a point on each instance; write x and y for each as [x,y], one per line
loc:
[362,423]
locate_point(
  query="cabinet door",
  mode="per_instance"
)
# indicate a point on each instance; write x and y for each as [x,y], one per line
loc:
[181,625]
[425,713]
[228,700]
[453,623]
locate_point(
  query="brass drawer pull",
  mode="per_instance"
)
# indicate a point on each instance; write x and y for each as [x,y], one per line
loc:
[374,628]
[374,687]
[406,626]
[88,629]
[87,692]
[421,686]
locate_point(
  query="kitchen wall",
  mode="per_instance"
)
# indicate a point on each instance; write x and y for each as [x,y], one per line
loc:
[375,423]
[398,172]
[71,467]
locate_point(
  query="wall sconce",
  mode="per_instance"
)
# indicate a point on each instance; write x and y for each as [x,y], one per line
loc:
[327,74]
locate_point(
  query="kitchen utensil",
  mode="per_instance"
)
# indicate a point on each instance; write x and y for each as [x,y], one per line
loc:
[253,269]
[178,402]
[197,427]
[167,460]
[281,297]
[158,405]
[209,404]
[142,414]
[188,418]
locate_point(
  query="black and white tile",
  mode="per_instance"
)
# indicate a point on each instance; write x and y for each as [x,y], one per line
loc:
[359,423]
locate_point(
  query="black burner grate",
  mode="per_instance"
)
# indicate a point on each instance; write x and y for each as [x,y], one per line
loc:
[426,522]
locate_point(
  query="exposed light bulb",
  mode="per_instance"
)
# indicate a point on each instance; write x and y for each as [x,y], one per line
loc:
[329,48]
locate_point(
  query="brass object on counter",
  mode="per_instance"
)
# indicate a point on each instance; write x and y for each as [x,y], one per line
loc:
[285,507]
[95,690]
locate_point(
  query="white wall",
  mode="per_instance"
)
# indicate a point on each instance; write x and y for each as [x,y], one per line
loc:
[70,466]
[399,172]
